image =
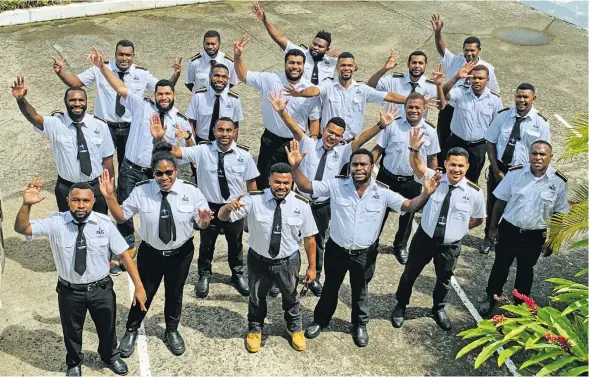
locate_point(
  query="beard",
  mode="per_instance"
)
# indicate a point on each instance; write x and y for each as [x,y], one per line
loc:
[164,110]
[75,117]
[79,219]
[318,57]
[291,77]
[418,76]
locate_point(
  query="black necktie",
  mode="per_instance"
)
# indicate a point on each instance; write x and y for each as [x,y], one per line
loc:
[413,86]
[315,74]
[440,230]
[276,234]
[83,152]
[119,108]
[214,118]
[80,257]
[514,137]
[213,63]
[321,168]
[167,228]
[162,117]
[223,185]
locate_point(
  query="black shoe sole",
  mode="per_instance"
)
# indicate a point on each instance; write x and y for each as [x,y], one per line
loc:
[358,344]
[126,355]
[312,336]
[397,326]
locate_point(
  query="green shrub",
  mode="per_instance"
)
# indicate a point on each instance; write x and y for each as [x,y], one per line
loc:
[22,4]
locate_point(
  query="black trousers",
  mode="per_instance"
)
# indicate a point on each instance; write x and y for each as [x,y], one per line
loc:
[129,175]
[476,155]
[62,189]
[443,129]
[338,261]
[271,152]
[119,133]
[515,243]
[262,274]
[408,188]
[491,199]
[208,237]
[101,302]
[198,140]
[322,215]
[173,269]
[422,250]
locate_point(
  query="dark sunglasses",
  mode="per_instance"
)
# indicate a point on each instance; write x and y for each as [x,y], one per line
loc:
[158,173]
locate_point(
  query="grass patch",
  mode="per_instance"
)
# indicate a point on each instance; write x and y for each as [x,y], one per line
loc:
[22,4]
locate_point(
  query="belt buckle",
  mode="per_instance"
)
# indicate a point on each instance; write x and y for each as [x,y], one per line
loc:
[401,179]
[166,253]
[521,231]
[90,287]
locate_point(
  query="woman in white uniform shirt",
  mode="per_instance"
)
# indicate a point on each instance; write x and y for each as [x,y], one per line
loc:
[168,208]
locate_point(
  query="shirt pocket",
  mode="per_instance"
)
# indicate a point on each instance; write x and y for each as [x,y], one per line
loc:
[98,247]
[65,139]
[293,224]
[66,248]
[136,86]
[201,79]
[343,202]
[461,212]
[548,199]
[185,212]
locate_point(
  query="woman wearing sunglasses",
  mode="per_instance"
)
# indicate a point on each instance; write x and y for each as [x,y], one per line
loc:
[168,208]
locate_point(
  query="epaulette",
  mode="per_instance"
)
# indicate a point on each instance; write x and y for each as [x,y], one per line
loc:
[56,112]
[464,86]
[495,93]
[229,58]
[300,197]
[441,170]
[516,167]
[397,118]
[201,90]
[197,56]
[189,183]
[561,176]
[429,122]
[542,116]
[379,183]
[430,81]
[361,82]
[141,68]
[141,183]
[149,100]
[303,46]
[398,74]
[331,78]
[341,176]
[205,142]
[256,192]
[182,115]
[233,94]
[503,109]
[106,61]
[244,147]
[473,185]
[99,118]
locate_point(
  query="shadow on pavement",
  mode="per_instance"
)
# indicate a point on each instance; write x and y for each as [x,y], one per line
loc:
[43,349]
[34,255]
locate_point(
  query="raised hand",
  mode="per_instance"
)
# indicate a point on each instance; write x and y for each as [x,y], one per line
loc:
[432,103]
[107,184]
[391,60]
[177,66]
[259,11]
[437,23]
[416,138]
[239,45]
[205,215]
[235,205]
[278,103]
[430,185]
[32,192]
[158,130]
[465,70]
[392,113]
[95,57]
[58,64]
[290,90]
[438,75]
[294,157]
[333,53]
[18,87]
[180,133]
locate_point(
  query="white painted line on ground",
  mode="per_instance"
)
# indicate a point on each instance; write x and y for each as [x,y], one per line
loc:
[567,125]
[141,345]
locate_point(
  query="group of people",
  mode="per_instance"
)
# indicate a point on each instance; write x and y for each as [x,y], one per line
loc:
[311,175]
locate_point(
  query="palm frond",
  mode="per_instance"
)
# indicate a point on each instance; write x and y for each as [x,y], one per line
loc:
[579,193]
[577,138]
[564,227]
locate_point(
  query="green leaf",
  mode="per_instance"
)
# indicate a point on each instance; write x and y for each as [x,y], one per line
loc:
[555,365]
[476,332]
[584,271]
[539,346]
[541,357]
[519,310]
[487,352]
[578,371]
[565,328]
[471,346]
[575,306]
[579,245]
[560,281]
[507,353]
[515,332]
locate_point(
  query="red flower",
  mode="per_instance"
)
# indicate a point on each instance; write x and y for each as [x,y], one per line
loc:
[498,319]
[530,303]
[563,342]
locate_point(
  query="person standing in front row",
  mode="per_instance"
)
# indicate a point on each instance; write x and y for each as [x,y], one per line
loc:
[278,218]
[167,208]
[452,210]
[81,241]
[360,207]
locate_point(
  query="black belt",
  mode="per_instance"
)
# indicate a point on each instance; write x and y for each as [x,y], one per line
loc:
[471,143]
[91,183]
[140,169]
[270,260]
[269,134]
[398,178]
[354,252]
[85,287]
[121,125]
[169,253]
[522,230]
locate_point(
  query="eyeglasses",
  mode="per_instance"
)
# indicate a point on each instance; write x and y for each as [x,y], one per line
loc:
[159,173]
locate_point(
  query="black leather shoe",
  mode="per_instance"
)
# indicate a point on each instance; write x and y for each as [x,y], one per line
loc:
[398,316]
[486,246]
[74,371]
[316,287]
[442,319]
[486,306]
[202,286]
[118,366]
[274,291]
[402,254]
[241,285]
[313,331]
[127,343]
[360,336]
[175,342]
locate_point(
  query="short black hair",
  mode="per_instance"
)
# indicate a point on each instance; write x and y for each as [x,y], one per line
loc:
[125,43]
[164,82]
[416,95]
[162,151]
[457,151]
[212,34]
[526,86]
[471,40]
[338,122]
[542,142]
[363,151]
[281,168]
[295,52]
[345,55]
[226,119]
[417,53]
[72,89]
[325,35]
[81,186]
[481,67]
[219,65]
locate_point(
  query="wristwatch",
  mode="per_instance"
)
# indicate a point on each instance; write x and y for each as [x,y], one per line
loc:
[189,135]
[414,150]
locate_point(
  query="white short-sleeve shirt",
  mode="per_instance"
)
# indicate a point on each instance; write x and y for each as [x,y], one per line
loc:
[472,114]
[198,69]
[400,83]
[452,64]
[325,67]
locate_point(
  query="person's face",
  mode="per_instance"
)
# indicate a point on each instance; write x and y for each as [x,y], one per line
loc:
[319,47]
[294,67]
[224,132]
[524,100]
[540,157]
[280,184]
[219,79]
[479,80]
[346,68]
[414,109]
[165,174]
[124,57]
[75,103]
[164,97]
[417,65]
[81,202]
[471,52]
[360,168]
[332,135]
[456,167]
[211,46]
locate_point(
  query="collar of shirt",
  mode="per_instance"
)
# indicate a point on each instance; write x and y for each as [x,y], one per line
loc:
[220,55]
[92,218]
[302,82]
[462,183]
[407,79]
[353,84]
[115,68]
[170,113]
[484,94]
[212,93]
[550,172]
[215,147]
[269,196]
[155,188]
[404,123]
[69,122]
[531,114]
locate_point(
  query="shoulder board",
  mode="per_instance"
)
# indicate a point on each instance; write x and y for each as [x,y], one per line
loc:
[244,147]
[195,57]
[495,93]
[201,90]
[516,167]
[543,117]
[561,176]
[330,78]
[429,123]
[503,109]
[300,197]
[141,183]
[398,74]
[99,118]
[381,184]
[256,192]
[189,183]
[341,176]
[303,46]
[230,58]
[441,170]
[233,94]
[106,61]
[182,115]
[205,142]
[141,68]
[56,112]
[474,186]
[361,82]
[430,81]
[149,100]
[397,118]
[464,86]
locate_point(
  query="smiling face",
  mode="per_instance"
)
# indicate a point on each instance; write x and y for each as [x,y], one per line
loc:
[124,56]
[417,65]
[219,79]
[332,135]
[294,67]
[280,184]
[346,68]
[165,173]
[524,100]
[319,47]
[224,132]
[164,98]
[360,168]
[471,52]
[456,167]
[75,103]
[414,109]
